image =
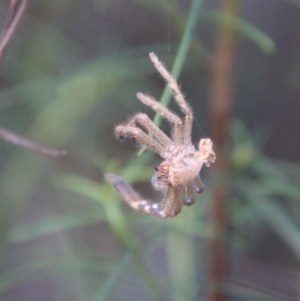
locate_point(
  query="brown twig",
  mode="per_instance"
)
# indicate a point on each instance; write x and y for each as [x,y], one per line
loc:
[221,105]
[25,143]
[15,12]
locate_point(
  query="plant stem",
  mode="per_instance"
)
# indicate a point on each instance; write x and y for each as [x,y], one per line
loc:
[15,13]
[221,105]
[182,261]
[28,144]
[180,58]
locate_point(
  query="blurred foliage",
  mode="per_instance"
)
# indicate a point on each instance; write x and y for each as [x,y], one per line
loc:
[66,80]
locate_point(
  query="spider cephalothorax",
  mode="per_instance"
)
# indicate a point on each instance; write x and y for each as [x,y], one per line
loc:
[177,177]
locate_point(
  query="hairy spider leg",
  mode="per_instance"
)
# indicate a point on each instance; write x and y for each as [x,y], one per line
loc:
[156,106]
[172,203]
[198,184]
[142,120]
[178,175]
[139,136]
[170,206]
[179,97]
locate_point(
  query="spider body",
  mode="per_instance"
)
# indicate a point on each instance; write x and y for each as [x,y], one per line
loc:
[177,176]
[179,168]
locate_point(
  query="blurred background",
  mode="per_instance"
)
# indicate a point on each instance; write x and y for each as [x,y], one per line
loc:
[71,73]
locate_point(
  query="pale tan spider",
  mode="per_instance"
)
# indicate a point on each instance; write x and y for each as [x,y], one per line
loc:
[178,175]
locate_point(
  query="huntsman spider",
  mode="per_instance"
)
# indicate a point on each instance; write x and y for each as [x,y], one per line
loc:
[177,176]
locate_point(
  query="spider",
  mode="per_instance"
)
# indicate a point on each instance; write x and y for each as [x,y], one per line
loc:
[177,176]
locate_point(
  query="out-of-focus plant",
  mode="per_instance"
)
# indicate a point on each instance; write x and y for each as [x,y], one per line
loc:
[261,189]
[270,188]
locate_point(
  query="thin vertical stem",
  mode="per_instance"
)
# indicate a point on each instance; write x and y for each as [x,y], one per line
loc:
[181,55]
[15,14]
[182,263]
[179,247]
[221,105]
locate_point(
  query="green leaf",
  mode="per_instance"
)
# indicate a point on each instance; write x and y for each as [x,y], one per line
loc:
[103,194]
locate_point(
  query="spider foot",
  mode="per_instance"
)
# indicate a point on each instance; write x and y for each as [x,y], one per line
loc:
[123,136]
[188,201]
[199,189]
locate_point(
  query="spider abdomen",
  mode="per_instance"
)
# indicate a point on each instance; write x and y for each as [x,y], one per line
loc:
[184,171]
[178,172]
